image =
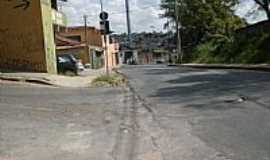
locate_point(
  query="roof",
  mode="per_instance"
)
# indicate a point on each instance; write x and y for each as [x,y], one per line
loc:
[82,27]
[63,41]
[70,47]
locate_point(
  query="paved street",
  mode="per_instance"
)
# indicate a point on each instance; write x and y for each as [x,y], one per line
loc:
[57,123]
[47,123]
[207,114]
[165,113]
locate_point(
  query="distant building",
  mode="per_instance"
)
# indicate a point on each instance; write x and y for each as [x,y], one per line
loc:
[146,46]
[27,35]
[88,45]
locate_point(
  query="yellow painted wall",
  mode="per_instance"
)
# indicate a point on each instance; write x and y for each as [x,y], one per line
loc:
[22,40]
[21,36]
[49,44]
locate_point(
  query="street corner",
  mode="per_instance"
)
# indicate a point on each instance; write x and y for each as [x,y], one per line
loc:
[23,83]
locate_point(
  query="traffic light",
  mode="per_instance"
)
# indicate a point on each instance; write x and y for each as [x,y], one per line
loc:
[105,27]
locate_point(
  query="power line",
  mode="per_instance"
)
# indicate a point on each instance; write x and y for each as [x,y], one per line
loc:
[133,10]
[120,12]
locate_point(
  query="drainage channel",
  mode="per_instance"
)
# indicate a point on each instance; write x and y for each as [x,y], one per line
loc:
[127,139]
[134,127]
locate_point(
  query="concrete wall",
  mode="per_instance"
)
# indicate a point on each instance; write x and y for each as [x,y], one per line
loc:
[21,37]
[22,43]
[145,57]
[113,50]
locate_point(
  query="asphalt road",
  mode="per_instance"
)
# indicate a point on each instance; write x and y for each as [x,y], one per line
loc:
[165,113]
[206,114]
[45,123]
[41,123]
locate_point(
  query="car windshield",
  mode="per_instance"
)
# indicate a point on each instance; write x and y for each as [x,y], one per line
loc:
[73,58]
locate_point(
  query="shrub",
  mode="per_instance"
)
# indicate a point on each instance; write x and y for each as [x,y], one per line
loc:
[109,80]
[245,50]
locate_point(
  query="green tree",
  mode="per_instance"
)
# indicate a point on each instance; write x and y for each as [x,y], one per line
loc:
[202,20]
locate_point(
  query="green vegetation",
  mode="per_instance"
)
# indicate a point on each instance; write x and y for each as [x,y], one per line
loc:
[202,20]
[239,50]
[209,34]
[112,80]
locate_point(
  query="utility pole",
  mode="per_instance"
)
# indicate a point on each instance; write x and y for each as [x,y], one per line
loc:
[85,28]
[128,21]
[106,53]
[178,30]
[101,6]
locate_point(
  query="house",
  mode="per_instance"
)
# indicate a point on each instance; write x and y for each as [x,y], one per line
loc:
[27,35]
[90,48]
[144,47]
[128,55]
[113,51]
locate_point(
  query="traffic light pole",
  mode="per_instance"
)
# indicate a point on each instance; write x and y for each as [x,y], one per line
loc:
[105,42]
[101,5]
[106,53]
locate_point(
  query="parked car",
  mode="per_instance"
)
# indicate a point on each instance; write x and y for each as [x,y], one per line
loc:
[80,65]
[159,62]
[67,64]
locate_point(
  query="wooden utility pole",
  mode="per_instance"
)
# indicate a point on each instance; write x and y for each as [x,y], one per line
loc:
[85,28]
[178,31]
[128,21]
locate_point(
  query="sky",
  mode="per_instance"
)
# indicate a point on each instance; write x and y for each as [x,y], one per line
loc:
[145,14]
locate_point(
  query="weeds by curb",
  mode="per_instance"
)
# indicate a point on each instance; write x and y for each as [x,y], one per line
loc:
[112,80]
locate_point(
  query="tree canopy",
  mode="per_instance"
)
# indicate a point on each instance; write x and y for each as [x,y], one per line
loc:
[202,19]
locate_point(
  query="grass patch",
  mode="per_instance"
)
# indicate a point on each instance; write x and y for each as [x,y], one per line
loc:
[112,80]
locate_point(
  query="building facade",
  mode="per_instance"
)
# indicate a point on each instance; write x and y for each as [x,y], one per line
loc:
[92,46]
[27,35]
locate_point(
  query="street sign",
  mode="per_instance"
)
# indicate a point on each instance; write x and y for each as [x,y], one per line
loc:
[103,16]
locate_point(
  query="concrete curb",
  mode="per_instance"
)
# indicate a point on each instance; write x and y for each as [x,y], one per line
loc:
[261,67]
[27,79]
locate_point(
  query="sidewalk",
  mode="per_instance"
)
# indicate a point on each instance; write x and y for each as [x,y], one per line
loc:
[83,80]
[258,67]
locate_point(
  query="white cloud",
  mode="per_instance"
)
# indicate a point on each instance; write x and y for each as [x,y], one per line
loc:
[247,6]
[143,14]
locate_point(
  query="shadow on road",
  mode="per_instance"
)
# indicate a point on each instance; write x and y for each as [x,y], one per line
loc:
[207,85]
